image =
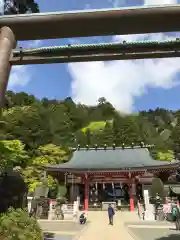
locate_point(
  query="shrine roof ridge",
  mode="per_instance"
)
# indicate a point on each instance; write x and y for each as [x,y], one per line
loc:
[113,147]
[119,159]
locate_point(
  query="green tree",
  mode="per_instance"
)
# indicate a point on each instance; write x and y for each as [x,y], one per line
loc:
[175,135]
[126,130]
[108,134]
[106,109]
[12,154]
[46,155]
[28,124]
[19,99]
[60,125]
[157,187]
[167,155]
[41,122]
[16,224]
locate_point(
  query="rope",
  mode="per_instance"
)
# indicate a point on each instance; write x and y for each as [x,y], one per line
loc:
[84,47]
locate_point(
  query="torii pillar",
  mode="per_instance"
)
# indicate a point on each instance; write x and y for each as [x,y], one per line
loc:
[132,194]
[7,44]
[86,192]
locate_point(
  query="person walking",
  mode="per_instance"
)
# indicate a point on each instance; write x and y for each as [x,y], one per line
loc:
[176,215]
[111,214]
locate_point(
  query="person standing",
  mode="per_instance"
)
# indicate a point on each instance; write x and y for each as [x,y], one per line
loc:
[111,214]
[176,215]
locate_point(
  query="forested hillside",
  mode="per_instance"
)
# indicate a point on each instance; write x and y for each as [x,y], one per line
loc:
[39,122]
[36,132]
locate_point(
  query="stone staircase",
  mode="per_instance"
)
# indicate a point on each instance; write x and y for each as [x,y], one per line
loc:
[69,212]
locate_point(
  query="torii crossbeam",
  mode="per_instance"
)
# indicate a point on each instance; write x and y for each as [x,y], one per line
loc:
[94,23]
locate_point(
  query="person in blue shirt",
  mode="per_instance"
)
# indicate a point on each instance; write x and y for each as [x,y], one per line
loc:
[111,214]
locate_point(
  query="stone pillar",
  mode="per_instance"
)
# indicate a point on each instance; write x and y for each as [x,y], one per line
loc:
[7,43]
[86,193]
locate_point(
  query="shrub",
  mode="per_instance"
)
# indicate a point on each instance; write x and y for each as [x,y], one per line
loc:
[17,225]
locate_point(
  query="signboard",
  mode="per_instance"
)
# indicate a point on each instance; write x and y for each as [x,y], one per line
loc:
[146,198]
[110,180]
[74,179]
[149,213]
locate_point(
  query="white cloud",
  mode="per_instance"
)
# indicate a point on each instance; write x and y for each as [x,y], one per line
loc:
[21,75]
[1,7]
[118,3]
[121,81]
[159,2]
[121,3]
[34,44]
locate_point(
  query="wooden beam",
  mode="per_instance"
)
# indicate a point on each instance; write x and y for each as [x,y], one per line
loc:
[90,58]
[93,23]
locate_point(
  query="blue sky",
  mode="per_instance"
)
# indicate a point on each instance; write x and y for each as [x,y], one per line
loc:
[129,86]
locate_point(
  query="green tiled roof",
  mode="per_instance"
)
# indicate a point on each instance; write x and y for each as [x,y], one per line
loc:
[110,159]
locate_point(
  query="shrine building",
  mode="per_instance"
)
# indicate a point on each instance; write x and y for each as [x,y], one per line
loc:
[110,174]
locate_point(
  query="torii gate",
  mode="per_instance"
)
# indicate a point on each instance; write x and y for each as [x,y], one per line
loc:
[80,24]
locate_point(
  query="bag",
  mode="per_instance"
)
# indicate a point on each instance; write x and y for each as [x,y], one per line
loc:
[174,211]
[113,212]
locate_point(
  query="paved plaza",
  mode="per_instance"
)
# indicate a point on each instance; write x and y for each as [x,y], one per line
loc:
[154,234]
[61,230]
[126,226]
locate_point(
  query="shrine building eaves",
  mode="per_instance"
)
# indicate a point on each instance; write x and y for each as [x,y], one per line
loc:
[112,159]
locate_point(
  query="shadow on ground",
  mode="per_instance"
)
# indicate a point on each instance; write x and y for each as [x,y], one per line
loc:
[154,233]
[49,235]
[170,237]
[61,230]
[54,226]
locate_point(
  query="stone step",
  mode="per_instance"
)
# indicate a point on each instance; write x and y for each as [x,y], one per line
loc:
[68,211]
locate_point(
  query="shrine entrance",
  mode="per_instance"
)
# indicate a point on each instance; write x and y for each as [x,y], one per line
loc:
[113,192]
[108,174]
[101,192]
